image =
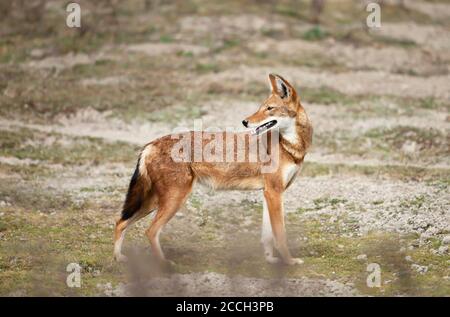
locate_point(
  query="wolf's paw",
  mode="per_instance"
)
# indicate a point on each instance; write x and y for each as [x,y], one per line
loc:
[120,258]
[272,259]
[171,263]
[167,263]
[294,261]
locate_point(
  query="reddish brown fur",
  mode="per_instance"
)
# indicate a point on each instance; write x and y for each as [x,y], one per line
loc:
[165,184]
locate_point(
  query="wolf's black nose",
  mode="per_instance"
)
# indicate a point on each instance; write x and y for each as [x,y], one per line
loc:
[245,123]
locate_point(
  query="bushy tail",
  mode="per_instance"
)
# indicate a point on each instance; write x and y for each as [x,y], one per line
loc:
[137,190]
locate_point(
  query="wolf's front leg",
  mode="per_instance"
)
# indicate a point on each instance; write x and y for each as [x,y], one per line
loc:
[267,235]
[274,201]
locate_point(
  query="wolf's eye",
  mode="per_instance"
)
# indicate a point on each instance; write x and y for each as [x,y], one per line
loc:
[270,108]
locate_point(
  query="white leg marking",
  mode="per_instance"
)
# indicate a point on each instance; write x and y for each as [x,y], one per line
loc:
[289,171]
[118,248]
[267,235]
[158,245]
[295,261]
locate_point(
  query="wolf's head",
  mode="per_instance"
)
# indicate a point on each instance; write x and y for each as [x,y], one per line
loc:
[279,110]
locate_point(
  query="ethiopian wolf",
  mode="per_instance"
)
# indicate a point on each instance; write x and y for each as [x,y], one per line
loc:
[267,157]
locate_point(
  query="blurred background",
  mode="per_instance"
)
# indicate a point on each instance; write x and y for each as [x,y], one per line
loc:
[77,104]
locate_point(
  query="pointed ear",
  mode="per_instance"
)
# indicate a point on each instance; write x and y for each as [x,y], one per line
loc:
[282,87]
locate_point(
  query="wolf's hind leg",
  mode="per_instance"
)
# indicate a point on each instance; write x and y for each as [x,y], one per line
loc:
[169,203]
[122,225]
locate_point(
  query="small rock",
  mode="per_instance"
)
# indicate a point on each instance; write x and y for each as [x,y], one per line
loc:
[425,236]
[421,269]
[409,147]
[361,257]
[442,249]
[340,246]
[446,240]
[37,53]
[408,258]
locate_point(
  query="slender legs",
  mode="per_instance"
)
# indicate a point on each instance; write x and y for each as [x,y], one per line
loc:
[122,226]
[273,203]
[169,203]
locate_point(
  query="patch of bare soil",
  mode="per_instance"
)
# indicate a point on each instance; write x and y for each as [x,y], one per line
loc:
[439,11]
[389,59]
[88,180]
[287,47]
[319,156]
[430,37]
[355,83]
[376,204]
[91,123]
[215,284]
[11,160]
[69,60]
[226,25]
[327,118]
[153,49]
[106,81]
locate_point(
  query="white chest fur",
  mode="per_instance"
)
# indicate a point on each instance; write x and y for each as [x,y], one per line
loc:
[289,172]
[289,130]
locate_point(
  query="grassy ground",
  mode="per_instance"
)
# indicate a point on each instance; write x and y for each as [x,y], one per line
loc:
[76,105]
